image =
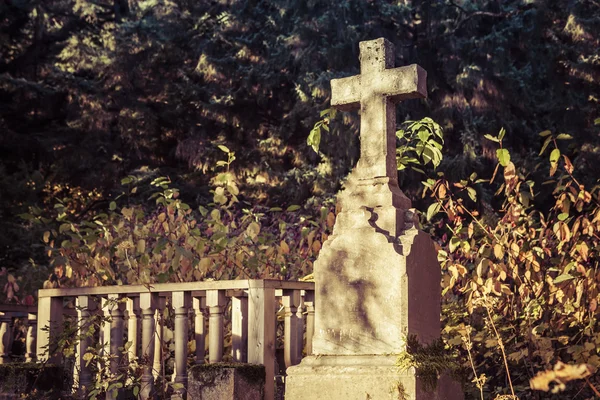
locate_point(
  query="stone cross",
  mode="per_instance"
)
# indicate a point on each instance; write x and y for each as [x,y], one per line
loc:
[375,92]
[377,279]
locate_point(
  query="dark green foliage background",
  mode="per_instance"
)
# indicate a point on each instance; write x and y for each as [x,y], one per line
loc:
[93,91]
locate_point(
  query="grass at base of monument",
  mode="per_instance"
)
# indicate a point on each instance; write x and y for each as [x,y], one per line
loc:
[430,361]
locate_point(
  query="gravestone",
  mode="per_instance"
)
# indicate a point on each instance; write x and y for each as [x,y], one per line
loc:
[377,277]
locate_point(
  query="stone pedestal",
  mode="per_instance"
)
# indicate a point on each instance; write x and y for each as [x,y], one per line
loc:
[225,381]
[363,377]
[377,282]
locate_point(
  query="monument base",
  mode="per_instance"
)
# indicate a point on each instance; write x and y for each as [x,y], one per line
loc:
[363,377]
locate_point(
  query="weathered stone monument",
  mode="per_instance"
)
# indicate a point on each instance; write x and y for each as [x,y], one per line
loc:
[377,277]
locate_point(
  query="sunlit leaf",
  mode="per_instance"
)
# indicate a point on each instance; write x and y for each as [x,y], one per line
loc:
[503,156]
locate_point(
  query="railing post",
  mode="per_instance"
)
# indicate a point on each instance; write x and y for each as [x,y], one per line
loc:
[31,338]
[239,328]
[261,331]
[215,300]
[181,304]
[157,365]
[116,307]
[50,317]
[300,326]
[148,303]
[309,302]
[199,303]
[291,301]
[82,375]
[133,326]
[6,328]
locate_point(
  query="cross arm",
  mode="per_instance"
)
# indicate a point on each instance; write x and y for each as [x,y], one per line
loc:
[404,83]
[345,93]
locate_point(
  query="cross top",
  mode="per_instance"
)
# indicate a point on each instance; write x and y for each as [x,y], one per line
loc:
[375,92]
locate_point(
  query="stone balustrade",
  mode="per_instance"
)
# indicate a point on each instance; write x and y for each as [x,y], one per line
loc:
[9,313]
[135,315]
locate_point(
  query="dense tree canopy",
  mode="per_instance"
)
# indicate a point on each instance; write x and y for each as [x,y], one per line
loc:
[93,91]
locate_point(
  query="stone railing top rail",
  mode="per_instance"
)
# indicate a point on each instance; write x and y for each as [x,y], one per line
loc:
[19,308]
[178,287]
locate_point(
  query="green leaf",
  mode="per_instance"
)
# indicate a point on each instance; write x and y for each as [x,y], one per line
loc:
[563,278]
[423,135]
[314,139]
[563,216]
[503,157]
[564,136]
[545,133]
[454,244]
[112,206]
[136,391]
[432,210]
[597,121]
[472,194]
[293,207]
[546,143]
[555,155]
[502,133]
[253,230]
[224,149]
[492,138]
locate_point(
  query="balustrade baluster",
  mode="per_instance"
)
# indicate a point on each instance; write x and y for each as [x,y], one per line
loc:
[115,308]
[239,328]
[6,328]
[309,303]
[82,375]
[291,301]
[30,342]
[199,303]
[104,334]
[148,303]
[300,327]
[157,366]
[215,300]
[181,304]
[133,327]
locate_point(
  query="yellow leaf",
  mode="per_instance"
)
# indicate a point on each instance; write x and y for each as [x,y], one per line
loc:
[498,252]
[316,246]
[141,246]
[560,374]
[330,220]
[285,249]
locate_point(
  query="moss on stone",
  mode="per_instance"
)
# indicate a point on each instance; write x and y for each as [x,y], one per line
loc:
[430,361]
[23,378]
[208,373]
